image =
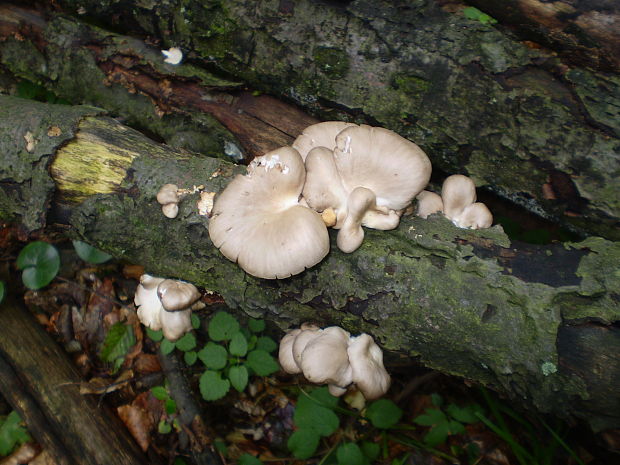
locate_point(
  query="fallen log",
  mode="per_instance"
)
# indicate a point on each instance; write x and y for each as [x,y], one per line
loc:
[536,323]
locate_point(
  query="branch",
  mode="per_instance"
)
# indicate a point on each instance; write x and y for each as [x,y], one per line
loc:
[468,303]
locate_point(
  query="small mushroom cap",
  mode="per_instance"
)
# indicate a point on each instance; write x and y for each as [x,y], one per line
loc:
[325,359]
[175,324]
[366,360]
[285,352]
[177,295]
[147,301]
[302,340]
[428,203]
[457,192]
[323,188]
[258,222]
[168,194]
[170,210]
[394,168]
[475,216]
[319,135]
[351,234]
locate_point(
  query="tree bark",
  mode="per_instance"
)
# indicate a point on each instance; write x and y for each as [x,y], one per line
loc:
[522,123]
[535,323]
[44,387]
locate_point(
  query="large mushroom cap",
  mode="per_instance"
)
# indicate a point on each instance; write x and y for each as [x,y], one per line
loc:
[366,360]
[175,324]
[258,222]
[177,295]
[394,168]
[319,135]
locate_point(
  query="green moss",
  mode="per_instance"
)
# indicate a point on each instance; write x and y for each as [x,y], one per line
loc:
[332,62]
[412,85]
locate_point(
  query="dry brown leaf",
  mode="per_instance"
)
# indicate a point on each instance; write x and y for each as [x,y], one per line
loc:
[139,423]
[104,386]
[133,271]
[23,454]
[146,363]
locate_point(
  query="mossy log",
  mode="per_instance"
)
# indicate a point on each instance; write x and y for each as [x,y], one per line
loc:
[539,324]
[38,379]
[523,123]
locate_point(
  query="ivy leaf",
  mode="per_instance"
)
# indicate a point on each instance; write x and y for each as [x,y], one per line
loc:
[195,321]
[187,342]
[349,454]
[465,414]
[118,341]
[166,346]
[247,459]
[312,414]
[262,362]
[159,392]
[431,417]
[437,435]
[238,376]
[436,400]
[303,443]
[223,326]
[90,254]
[170,405]
[266,343]
[383,413]
[40,263]
[155,335]
[256,326]
[371,450]
[212,386]
[190,357]
[12,433]
[214,356]
[238,345]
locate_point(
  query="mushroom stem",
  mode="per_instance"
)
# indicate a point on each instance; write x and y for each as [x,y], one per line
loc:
[351,234]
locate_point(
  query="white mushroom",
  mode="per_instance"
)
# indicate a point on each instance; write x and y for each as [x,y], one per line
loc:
[319,135]
[368,372]
[324,360]
[169,197]
[258,222]
[148,303]
[459,203]
[428,203]
[173,55]
[285,352]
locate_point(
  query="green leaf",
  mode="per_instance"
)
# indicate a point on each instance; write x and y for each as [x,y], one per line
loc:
[179,461]
[118,341]
[311,414]
[247,459]
[164,427]
[212,386]
[90,254]
[40,262]
[223,326]
[195,321]
[256,326]
[159,392]
[437,435]
[187,342]
[2,290]
[214,356]
[455,427]
[383,413]
[262,362]
[220,446]
[436,400]
[266,343]
[166,346]
[170,405]
[322,397]
[238,345]
[12,433]
[465,414]
[303,443]
[190,357]
[431,417]
[370,449]
[238,376]
[349,454]
[155,335]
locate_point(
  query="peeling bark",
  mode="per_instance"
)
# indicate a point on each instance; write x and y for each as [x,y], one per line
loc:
[468,303]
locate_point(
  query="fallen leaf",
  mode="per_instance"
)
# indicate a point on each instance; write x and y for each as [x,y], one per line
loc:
[138,422]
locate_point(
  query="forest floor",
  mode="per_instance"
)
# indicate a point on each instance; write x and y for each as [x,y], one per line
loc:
[426,417]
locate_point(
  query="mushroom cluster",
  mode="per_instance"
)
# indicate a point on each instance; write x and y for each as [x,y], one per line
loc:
[166,304]
[457,202]
[272,221]
[331,356]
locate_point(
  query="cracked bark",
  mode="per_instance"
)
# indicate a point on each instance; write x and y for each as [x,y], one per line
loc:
[534,323]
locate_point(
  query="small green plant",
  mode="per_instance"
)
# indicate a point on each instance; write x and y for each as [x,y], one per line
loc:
[12,433]
[2,290]
[445,422]
[477,15]
[90,254]
[118,341]
[32,91]
[40,263]
[170,407]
